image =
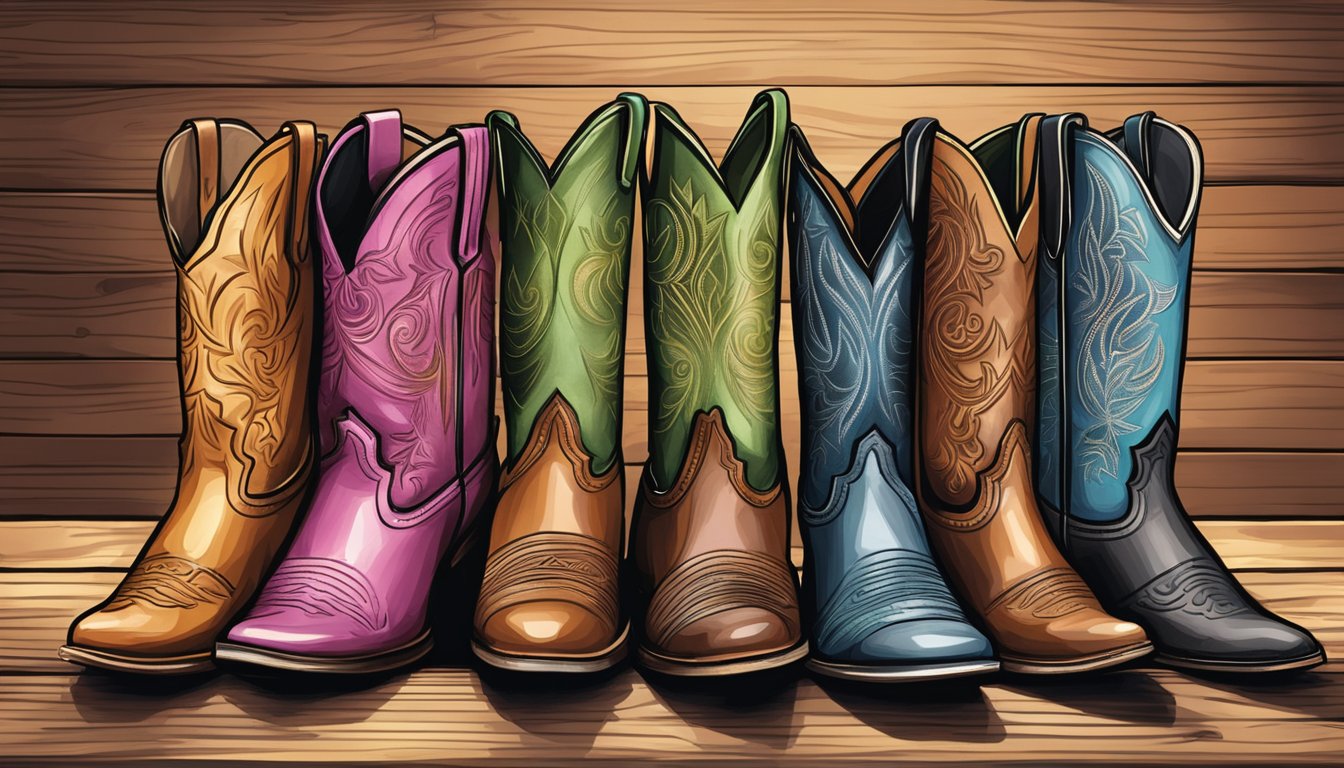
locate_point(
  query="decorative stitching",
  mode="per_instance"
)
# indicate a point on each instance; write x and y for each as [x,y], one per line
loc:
[881,589]
[568,567]
[715,582]
[168,581]
[320,586]
[1049,594]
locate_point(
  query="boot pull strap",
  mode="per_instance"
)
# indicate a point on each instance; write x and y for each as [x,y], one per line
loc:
[1028,132]
[384,142]
[475,170]
[1056,191]
[303,164]
[1136,142]
[637,120]
[917,148]
[206,132]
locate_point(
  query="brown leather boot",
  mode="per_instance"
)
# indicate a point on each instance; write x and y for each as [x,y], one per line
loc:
[235,212]
[976,395]
[709,559]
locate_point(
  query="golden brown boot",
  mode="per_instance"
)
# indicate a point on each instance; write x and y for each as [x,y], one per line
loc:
[235,212]
[976,399]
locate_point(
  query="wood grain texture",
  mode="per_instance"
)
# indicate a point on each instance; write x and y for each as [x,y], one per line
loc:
[111,544]
[1231,405]
[685,41]
[453,716]
[124,477]
[1260,227]
[133,314]
[111,138]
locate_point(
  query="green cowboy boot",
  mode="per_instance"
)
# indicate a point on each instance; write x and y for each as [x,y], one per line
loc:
[710,550]
[549,599]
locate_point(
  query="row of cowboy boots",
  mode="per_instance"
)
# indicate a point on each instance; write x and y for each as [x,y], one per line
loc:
[920,303]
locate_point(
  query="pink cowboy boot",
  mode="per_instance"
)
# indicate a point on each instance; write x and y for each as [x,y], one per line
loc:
[405,403]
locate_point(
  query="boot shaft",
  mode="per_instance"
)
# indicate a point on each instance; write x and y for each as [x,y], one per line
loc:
[566,233]
[712,270]
[1114,298]
[409,320]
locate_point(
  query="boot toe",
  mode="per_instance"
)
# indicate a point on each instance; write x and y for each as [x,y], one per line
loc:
[139,630]
[1246,638]
[298,633]
[1095,632]
[734,633]
[924,641]
[546,627]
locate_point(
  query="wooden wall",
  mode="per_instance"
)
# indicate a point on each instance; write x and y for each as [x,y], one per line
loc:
[89,92]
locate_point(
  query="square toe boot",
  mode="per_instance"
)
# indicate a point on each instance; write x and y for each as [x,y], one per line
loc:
[710,546]
[404,407]
[235,212]
[1113,303]
[878,604]
[550,599]
[976,399]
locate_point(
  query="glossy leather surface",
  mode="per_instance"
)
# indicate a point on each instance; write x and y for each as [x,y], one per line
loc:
[710,559]
[405,395]
[977,377]
[1114,302]
[235,211]
[876,595]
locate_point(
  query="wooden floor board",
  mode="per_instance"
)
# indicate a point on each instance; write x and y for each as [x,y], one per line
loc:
[684,41]
[1260,135]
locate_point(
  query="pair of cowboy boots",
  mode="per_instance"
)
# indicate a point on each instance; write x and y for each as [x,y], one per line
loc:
[708,583]
[405,403]
[235,210]
[1113,302]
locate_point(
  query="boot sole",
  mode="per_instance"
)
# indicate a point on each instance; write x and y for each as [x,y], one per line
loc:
[668,665]
[373,663]
[903,673]
[187,664]
[1090,663]
[1215,665]
[579,665]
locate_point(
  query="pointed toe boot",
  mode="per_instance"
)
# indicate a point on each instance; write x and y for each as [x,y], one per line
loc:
[714,587]
[550,598]
[878,604]
[976,401]
[404,403]
[235,210]
[1113,302]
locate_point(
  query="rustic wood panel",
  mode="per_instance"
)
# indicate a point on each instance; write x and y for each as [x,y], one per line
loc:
[110,138]
[132,314]
[1240,228]
[1250,405]
[111,544]
[1131,717]
[687,41]
[55,477]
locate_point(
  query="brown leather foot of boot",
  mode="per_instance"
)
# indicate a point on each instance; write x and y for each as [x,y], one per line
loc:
[711,556]
[550,599]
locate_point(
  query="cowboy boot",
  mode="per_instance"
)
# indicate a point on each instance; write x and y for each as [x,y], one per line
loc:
[235,213]
[1114,297]
[550,598]
[710,546]
[405,403]
[879,607]
[976,397]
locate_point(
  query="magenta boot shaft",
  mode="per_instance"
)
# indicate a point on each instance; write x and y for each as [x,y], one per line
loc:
[405,406]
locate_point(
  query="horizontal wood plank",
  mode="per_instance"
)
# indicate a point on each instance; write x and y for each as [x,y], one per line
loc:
[1230,405]
[685,41]
[111,138]
[438,714]
[1259,227]
[111,544]
[121,477]
[133,314]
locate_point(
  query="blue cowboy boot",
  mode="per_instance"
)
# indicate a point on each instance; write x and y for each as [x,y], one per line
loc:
[1113,297]
[880,607]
